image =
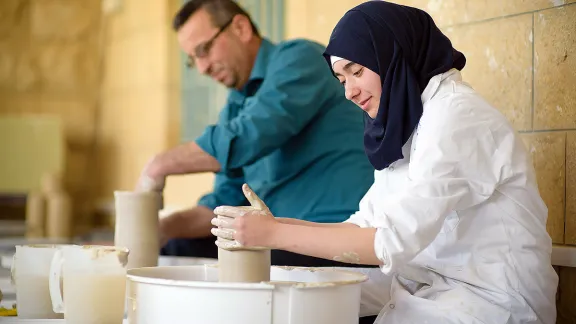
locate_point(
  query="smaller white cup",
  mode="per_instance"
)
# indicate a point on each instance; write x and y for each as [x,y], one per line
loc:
[30,269]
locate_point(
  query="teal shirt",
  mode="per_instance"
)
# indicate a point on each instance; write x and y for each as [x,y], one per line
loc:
[292,136]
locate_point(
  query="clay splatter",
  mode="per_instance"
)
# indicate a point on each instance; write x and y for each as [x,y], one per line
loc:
[348,257]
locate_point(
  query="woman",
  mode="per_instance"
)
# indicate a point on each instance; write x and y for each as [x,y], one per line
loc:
[454,216]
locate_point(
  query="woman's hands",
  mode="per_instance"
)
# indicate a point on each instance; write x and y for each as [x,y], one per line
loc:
[243,226]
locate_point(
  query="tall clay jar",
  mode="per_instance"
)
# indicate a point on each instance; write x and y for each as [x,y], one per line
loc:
[137,226]
[35,215]
[58,207]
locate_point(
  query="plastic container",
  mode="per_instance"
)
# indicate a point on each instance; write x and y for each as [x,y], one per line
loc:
[192,294]
[94,284]
[30,270]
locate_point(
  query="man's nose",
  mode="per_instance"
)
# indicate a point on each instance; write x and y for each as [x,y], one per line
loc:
[203,66]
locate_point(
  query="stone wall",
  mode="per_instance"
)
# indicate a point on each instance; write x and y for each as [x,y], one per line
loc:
[50,64]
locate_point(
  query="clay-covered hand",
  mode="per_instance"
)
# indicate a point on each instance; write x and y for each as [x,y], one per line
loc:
[244,226]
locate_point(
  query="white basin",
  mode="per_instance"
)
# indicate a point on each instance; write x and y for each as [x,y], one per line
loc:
[192,294]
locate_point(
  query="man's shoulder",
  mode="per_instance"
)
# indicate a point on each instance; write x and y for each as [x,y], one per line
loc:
[299,47]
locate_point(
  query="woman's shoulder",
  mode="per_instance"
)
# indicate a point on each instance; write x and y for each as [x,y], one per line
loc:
[458,103]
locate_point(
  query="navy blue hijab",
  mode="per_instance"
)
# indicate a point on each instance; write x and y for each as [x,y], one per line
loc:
[403,46]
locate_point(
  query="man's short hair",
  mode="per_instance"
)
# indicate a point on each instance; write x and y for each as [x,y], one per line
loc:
[221,11]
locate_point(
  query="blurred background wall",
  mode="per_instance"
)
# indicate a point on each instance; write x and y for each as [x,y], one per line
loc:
[98,87]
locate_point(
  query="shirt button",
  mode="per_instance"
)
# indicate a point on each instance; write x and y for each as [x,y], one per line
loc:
[392,306]
[391,168]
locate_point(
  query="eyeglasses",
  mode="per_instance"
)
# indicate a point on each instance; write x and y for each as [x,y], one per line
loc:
[203,49]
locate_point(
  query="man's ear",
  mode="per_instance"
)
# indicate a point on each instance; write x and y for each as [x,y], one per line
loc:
[242,28]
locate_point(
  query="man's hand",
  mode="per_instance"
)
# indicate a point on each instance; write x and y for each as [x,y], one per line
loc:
[150,179]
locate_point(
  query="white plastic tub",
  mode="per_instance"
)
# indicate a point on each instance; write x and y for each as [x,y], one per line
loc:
[192,294]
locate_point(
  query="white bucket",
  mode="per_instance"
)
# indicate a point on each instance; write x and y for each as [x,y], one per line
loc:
[192,294]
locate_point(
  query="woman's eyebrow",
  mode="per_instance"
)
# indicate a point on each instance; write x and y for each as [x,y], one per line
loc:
[346,67]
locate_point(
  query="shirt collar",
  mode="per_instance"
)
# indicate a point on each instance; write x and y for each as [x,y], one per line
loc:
[262,60]
[258,70]
[434,83]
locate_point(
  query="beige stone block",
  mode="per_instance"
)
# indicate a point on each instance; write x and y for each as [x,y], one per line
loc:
[549,155]
[68,67]
[79,170]
[450,12]
[133,129]
[26,74]
[174,116]
[295,26]
[136,118]
[13,15]
[555,68]
[8,59]
[64,19]
[20,104]
[78,116]
[322,17]
[136,16]
[149,108]
[570,188]
[499,64]
[108,172]
[185,191]
[17,68]
[137,61]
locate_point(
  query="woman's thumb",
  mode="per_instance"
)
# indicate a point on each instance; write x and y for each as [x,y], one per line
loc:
[254,200]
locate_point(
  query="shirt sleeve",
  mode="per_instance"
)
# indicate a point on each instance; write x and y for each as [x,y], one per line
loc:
[227,191]
[454,165]
[361,218]
[292,93]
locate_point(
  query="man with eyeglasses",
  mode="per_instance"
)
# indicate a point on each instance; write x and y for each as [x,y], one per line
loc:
[287,130]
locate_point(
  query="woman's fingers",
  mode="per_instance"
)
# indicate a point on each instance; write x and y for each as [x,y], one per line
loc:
[222,222]
[227,234]
[230,211]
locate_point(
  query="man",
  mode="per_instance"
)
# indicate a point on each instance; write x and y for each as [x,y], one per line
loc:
[287,130]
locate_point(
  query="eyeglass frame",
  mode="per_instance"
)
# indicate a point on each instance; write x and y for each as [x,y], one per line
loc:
[203,49]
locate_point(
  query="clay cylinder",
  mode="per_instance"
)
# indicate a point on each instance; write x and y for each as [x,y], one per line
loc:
[58,207]
[58,216]
[35,215]
[137,226]
[243,265]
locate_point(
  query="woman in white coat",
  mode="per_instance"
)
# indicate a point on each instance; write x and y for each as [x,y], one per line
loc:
[454,217]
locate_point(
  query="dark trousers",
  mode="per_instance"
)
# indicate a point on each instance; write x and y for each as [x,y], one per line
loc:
[205,248]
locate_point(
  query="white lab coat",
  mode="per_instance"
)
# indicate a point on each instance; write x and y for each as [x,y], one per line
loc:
[461,227]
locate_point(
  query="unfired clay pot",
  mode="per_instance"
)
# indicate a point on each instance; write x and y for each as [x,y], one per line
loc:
[243,264]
